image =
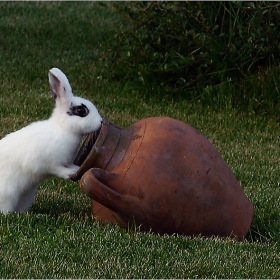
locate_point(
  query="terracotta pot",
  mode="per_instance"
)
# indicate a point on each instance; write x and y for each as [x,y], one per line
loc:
[163,175]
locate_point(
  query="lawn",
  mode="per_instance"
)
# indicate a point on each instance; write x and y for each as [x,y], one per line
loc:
[59,238]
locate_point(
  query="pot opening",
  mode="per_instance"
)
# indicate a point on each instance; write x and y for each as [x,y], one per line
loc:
[86,145]
[91,147]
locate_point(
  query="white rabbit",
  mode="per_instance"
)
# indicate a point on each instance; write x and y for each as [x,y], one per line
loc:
[44,148]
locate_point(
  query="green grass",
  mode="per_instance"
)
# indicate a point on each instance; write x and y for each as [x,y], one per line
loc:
[58,238]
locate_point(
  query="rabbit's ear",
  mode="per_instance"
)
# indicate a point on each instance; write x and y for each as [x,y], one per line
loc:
[60,87]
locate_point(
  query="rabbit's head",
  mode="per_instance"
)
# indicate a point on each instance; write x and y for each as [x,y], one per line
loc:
[75,114]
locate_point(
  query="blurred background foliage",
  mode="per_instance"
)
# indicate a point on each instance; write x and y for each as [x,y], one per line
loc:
[190,48]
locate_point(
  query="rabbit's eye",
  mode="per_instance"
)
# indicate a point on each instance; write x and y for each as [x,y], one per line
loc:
[81,111]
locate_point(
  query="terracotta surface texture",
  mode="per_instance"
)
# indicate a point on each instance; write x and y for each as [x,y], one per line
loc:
[163,175]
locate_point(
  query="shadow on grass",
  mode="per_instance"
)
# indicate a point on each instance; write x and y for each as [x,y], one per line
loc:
[264,231]
[60,207]
[80,210]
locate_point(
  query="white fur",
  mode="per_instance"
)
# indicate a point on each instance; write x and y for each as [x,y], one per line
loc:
[44,148]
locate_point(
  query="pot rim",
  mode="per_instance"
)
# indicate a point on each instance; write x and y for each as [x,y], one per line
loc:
[90,149]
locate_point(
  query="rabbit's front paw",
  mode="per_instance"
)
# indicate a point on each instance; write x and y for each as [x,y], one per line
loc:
[67,172]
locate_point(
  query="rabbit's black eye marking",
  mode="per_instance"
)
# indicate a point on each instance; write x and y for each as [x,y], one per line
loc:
[81,111]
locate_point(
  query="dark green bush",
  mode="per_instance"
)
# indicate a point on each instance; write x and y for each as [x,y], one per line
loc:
[182,45]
